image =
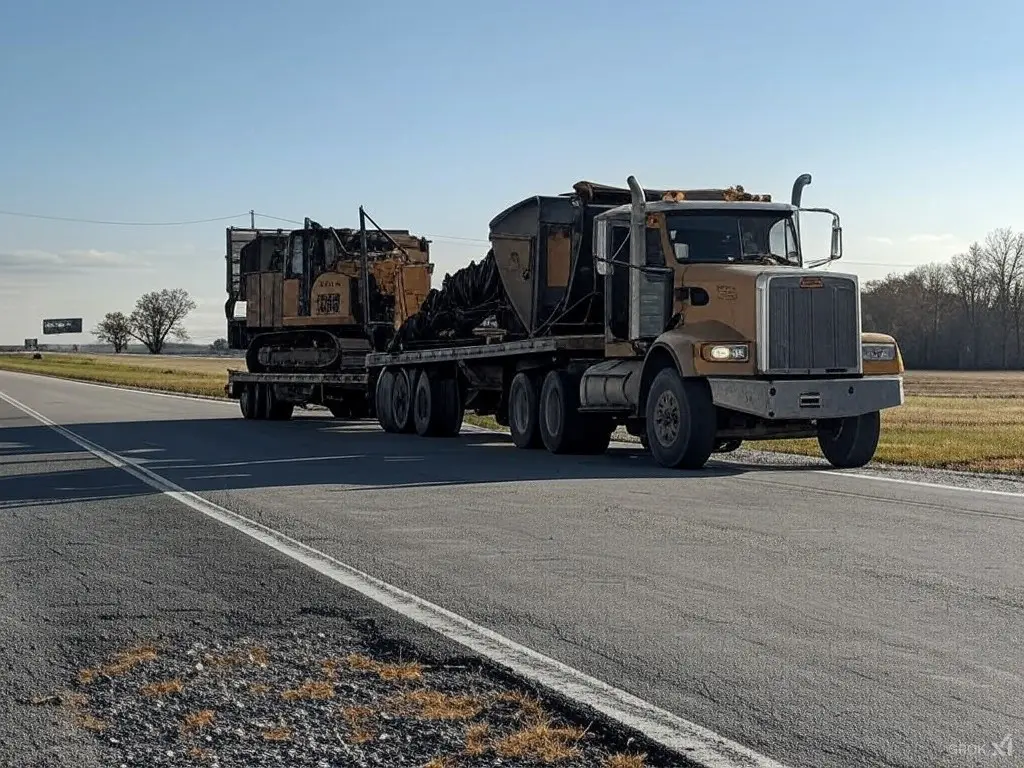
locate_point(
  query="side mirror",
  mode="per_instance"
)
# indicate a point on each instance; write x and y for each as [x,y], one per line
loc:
[837,241]
[601,255]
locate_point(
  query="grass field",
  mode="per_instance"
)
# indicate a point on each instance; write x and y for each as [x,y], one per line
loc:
[952,419]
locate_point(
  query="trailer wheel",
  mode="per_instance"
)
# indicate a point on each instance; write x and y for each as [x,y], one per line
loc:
[401,399]
[680,421]
[260,406]
[428,405]
[559,420]
[276,409]
[523,411]
[455,410]
[385,384]
[851,442]
[247,401]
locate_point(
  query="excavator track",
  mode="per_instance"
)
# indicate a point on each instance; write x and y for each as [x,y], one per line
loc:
[298,351]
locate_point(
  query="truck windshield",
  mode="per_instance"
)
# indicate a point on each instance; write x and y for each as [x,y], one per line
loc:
[726,236]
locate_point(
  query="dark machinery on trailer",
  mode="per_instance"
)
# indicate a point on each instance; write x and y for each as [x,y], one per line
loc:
[688,317]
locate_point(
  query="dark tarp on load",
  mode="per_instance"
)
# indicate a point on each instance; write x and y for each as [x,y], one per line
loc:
[467,297]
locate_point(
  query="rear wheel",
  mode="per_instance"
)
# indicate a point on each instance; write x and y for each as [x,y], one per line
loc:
[428,405]
[523,411]
[276,409]
[851,442]
[247,401]
[382,396]
[680,421]
[260,405]
[455,411]
[563,429]
[401,399]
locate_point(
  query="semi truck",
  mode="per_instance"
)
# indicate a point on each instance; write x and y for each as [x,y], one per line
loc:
[692,318]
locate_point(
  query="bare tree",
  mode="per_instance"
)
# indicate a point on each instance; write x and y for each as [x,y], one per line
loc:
[967,271]
[115,328]
[160,314]
[935,281]
[1003,263]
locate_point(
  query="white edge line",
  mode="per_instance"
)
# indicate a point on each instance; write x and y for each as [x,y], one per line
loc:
[472,428]
[939,486]
[692,741]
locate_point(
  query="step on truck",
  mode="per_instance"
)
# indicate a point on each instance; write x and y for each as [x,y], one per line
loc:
[691,318]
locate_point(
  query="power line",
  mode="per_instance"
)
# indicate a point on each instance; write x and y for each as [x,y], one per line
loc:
[20,214]
[440,238]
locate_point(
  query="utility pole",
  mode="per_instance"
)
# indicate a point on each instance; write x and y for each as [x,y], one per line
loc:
[252,219]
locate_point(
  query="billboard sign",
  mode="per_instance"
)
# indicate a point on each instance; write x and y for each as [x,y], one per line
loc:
[62,325]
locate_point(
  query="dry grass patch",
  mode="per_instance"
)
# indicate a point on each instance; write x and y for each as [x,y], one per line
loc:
[408,671]
[434,705]
[541,741]
[162,688]
[195,721]
[529,707]
[624,761]
[122,662]
[358,719]
[278,733]
[477,739]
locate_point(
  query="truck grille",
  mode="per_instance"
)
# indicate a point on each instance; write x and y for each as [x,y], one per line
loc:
[812,324]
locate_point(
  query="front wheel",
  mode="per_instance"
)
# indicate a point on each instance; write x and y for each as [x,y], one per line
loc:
[851,442]
[681,421]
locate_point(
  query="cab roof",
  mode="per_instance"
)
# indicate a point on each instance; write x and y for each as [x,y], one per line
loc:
[668,206]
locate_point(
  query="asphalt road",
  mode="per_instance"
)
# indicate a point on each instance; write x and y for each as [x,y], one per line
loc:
[820,619]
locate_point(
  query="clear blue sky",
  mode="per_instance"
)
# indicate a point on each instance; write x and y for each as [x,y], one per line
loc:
[437,115]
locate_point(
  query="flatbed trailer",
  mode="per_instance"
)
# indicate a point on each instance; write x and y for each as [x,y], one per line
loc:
[425,390]
[274,396]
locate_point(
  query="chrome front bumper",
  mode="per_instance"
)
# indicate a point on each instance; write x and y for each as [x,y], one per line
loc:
[808,398]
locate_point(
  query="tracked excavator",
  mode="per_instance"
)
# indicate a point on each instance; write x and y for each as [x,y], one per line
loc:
[318,299]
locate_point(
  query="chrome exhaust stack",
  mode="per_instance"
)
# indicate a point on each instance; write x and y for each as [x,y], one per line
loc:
[637,252]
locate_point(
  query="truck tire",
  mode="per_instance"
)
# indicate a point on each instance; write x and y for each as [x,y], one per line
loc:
[455,410]
[523,411]
[851,442]
[559,421]
[260,405]
[276,409]
[382,399]
[431,405]
[401,399]
[247,401]
[681,421]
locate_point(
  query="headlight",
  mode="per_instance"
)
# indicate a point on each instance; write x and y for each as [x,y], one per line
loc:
[726,353]
[878,351]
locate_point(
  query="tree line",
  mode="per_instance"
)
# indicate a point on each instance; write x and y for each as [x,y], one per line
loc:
[967,313]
